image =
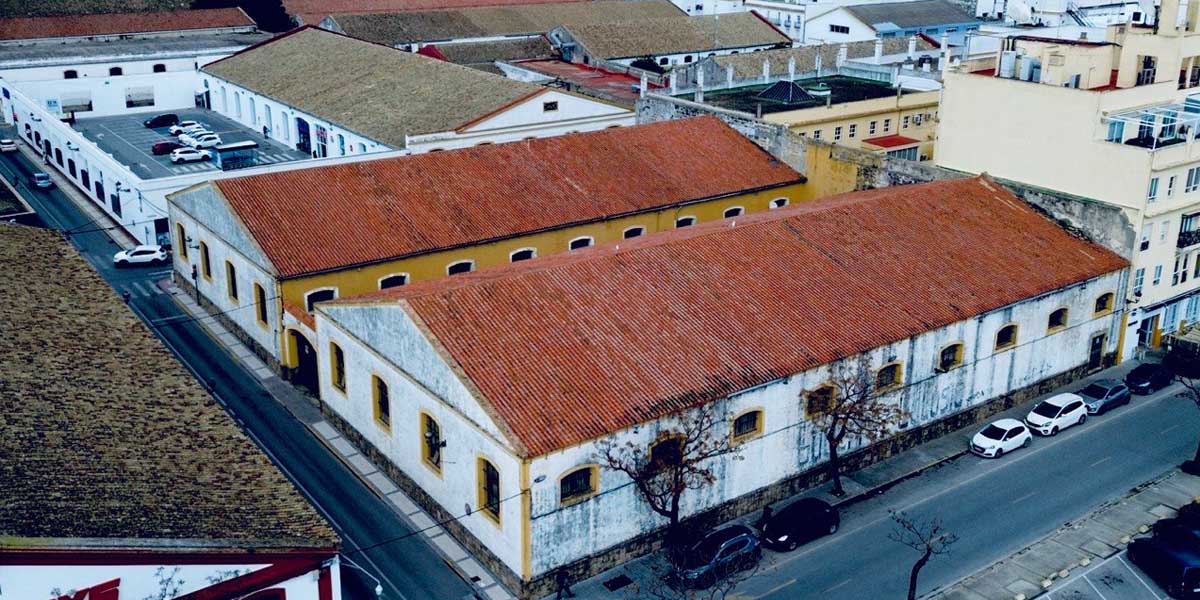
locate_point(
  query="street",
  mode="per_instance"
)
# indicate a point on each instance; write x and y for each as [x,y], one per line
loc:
[407,567]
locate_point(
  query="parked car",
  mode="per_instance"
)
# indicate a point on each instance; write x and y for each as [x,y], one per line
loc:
[1148,378]
[42,180]
[1056,413]
[1177,530]
[718,555]
[1000,437]
[801,521]
[141,255]
[162,120]
[1174,566]
[165,147]
[185,154]
[7,145]
[202,140]
[1102,395]
[1189,512]
[187,127]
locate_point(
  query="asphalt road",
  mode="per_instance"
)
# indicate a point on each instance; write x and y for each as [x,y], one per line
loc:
[408,568]
[994,506]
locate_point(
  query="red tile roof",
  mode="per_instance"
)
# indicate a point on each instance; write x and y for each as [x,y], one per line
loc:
[384,209]
[890,141]
[574,346]
[23,28]
[312,11]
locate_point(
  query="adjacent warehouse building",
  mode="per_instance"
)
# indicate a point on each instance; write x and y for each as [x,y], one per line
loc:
[857,22]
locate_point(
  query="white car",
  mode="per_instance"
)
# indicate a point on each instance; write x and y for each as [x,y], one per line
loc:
[7,145]
[1001,437]
[187,127]
[203,140]
[141,255]
[182,155]
[1057,413]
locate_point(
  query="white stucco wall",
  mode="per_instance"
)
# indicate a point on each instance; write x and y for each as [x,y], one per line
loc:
[173,89]
[817,30]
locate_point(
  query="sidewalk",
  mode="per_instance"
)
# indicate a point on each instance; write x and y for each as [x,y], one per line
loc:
[860,485]
[1048,565]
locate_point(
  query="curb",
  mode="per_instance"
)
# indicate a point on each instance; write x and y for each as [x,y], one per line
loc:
[883,487]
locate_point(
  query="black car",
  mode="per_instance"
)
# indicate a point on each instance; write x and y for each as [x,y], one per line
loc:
[800,522]
[1177,531]
[1189,513]
[718,555]
[1174,566]
[1104,394]
[1148,378]
[163,120]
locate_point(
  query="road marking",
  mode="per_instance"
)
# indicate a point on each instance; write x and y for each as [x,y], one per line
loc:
[774,589]
[1139,577]
[137,285]
[1103,460]
[1094,588]
[1173,427]
[1025,497]
[834,587]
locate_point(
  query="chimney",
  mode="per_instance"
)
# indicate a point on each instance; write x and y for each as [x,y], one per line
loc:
[674,85]
[728,76]
[912,48]
[878,49]
[945,54]
[791,68]
[699,86]
[843,52]
[766,70]
[642,87]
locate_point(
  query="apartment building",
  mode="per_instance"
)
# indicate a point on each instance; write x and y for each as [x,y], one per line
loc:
[1113,122]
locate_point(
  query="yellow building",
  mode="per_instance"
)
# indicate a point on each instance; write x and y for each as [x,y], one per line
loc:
[264,249]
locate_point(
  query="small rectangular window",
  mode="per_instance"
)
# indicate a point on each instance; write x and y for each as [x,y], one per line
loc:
[182,241]
[1152,193]
[382,402]
[887,125]
[905,123]
[489,490]
[549,106]
[260,299]
[337,367]
[205,265]
[837,133]
[871,128]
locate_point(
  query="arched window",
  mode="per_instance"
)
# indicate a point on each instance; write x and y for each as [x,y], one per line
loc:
[1104,303]
[733,211]
[819,401]
[70,74]
[687,59]
[115,71]
[1006,338]
[462,266]
[1057,321]
[161,68]
[779,203]
[489,490]
[633,232]
[71,166]
[663,61]
[889,377]
[580,242]
[392,281]
[951,356]
[205,263]
[381,402]
[431,443]
[337,367]
[181,241]
[747,425]
[231,287]
[579,484]
[315,296]
[260,302]
[685,222]
[522,254]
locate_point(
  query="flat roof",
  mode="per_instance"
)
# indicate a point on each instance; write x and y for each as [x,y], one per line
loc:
[86,51]
[844,89]
[106,436]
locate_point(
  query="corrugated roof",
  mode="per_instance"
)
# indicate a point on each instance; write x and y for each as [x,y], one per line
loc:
[477,22]
[375,91]
[487,53]
[676,35]
[749,65]
[382,209]
[312,11]
[903,15]
[104,434]
[27,28]
[575,346]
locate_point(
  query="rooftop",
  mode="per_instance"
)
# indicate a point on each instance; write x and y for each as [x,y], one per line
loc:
[41,8]
[750,65]
[484,55]
[575,346]
[676,35]
[891,141]
[902,15]
[71,52]
[31,28]
[106,436]
[618,87]
[843,89]
[396,207]
[1157,126]
[378,92]
[477,22]
[312,11]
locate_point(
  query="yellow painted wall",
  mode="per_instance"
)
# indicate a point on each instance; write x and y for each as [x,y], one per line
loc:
[860,114]
[828,176]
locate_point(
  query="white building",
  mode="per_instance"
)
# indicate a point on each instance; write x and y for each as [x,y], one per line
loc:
[487,393]
[328,94]
[858,22]
[1053,13]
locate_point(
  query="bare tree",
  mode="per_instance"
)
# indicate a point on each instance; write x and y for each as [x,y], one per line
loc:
[677,462]
[851,405]
[1184,360]
[927,537]
[666,577]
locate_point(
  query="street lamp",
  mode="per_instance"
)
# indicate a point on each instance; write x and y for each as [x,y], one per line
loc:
[378,585]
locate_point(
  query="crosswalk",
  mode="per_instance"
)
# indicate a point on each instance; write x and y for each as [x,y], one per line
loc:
[138,289]
[198,167]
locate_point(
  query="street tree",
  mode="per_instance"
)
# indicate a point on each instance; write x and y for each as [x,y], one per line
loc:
[1184,360]
[928,537]
[678,461]
[666,576]
[852,405]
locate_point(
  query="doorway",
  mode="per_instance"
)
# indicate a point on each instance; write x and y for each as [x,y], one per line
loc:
[303,139]
[1096,352]
[304,373]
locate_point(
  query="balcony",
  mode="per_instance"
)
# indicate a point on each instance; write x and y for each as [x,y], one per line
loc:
[1188,238]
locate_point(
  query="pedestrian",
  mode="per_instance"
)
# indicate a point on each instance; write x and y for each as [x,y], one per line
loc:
[766,516]
[562,579]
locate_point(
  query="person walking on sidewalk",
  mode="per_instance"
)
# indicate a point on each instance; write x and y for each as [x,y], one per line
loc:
[562,579]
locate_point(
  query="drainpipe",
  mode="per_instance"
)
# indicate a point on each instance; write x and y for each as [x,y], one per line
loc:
[729,76]
[843,53]
[791,68]
[642,86]
[766,70]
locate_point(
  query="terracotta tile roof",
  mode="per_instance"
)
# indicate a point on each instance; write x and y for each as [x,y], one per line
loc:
[42,8]
[574,346]
[28,28]
[383,209]
[676,35]
[104,434]
[890,141]
[312,11]
[379,92]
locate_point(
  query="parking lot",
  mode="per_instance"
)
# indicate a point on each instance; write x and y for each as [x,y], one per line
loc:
[1111,579]
[129,141]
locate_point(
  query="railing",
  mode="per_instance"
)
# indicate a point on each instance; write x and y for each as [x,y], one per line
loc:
[1188,238]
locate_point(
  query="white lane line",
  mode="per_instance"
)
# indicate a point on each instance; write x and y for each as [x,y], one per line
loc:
[140,290]
[1094,588]
[1103,460]
[1173,427]
[1139,577]
[830,589]
[1025,497]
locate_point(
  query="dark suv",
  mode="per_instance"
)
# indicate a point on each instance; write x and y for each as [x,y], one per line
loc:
[1148,378]
[163,120]
[1174,566]
[799,522]
[1103,395]
[718,555]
